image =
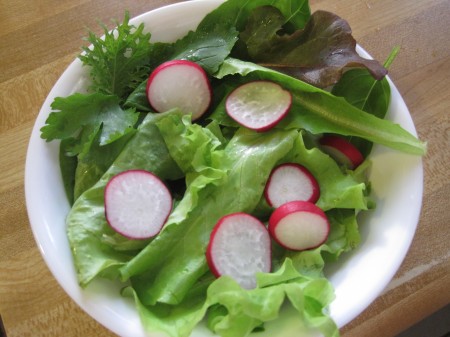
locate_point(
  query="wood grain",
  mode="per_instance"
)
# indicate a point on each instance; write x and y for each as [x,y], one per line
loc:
[39,39]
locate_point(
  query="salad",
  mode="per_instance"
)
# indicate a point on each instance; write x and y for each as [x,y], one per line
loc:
[214,167]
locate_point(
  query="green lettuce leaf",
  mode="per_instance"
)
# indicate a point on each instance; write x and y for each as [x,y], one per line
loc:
[344,233]
[338,189]
[94,163]
[96,248]
[236,312]
[166,269]
[237,12]
[318,111]
[363,91]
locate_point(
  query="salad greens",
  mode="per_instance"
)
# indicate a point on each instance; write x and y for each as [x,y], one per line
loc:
[120,60]
[215,167]
[318,53]
[371,95]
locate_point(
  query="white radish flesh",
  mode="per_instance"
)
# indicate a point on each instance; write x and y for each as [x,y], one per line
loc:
[239,247]
[299,225]
[179,84]
[290,182]
[258,105]
[342,151]
[137,204]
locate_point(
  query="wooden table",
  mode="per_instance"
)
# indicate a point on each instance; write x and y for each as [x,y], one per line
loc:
[38,40]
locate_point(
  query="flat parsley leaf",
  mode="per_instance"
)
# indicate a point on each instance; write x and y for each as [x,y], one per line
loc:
[82,116]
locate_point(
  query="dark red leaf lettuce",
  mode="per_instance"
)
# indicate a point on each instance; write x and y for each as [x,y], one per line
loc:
[317,54]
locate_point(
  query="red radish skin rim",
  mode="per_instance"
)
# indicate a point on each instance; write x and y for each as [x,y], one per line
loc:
[161,185]
[291,208]
[345,147]
[315,193]
[172,63]
[209,251]
[269,125]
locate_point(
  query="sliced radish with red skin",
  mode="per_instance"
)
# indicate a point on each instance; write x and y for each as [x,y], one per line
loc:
[239,247]
[299,225]
[290,182]
[342,151]
[258,105]
[137,204]
[179,84]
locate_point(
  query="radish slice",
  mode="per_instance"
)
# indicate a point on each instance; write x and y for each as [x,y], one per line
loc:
[290,182]
[299,225]
[137,204]
[258,105]
[179,84]
[341,150]
[239,247]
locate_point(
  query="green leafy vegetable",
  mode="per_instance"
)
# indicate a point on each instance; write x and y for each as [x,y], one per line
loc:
[92,241]
[182,243]
[318,111]
[241,311]
[208,46]
[363,91]
[219,168]
[95,162]
[237,13]
[93,128]
[83,115]
[316,54]
[119,60]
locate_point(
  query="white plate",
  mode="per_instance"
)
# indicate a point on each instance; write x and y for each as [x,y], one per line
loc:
[359,277]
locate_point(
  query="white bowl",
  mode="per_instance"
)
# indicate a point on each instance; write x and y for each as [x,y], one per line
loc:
[358,277]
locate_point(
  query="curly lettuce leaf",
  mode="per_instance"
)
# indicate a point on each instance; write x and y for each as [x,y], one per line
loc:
[235,312]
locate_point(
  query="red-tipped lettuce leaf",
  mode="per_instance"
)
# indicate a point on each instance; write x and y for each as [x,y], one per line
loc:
[317,54]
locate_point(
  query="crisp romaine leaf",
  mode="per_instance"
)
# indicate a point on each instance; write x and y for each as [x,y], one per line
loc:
[363,91]
[93,243]
[85,115]
[317,55]
[318,111]
[118,61]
